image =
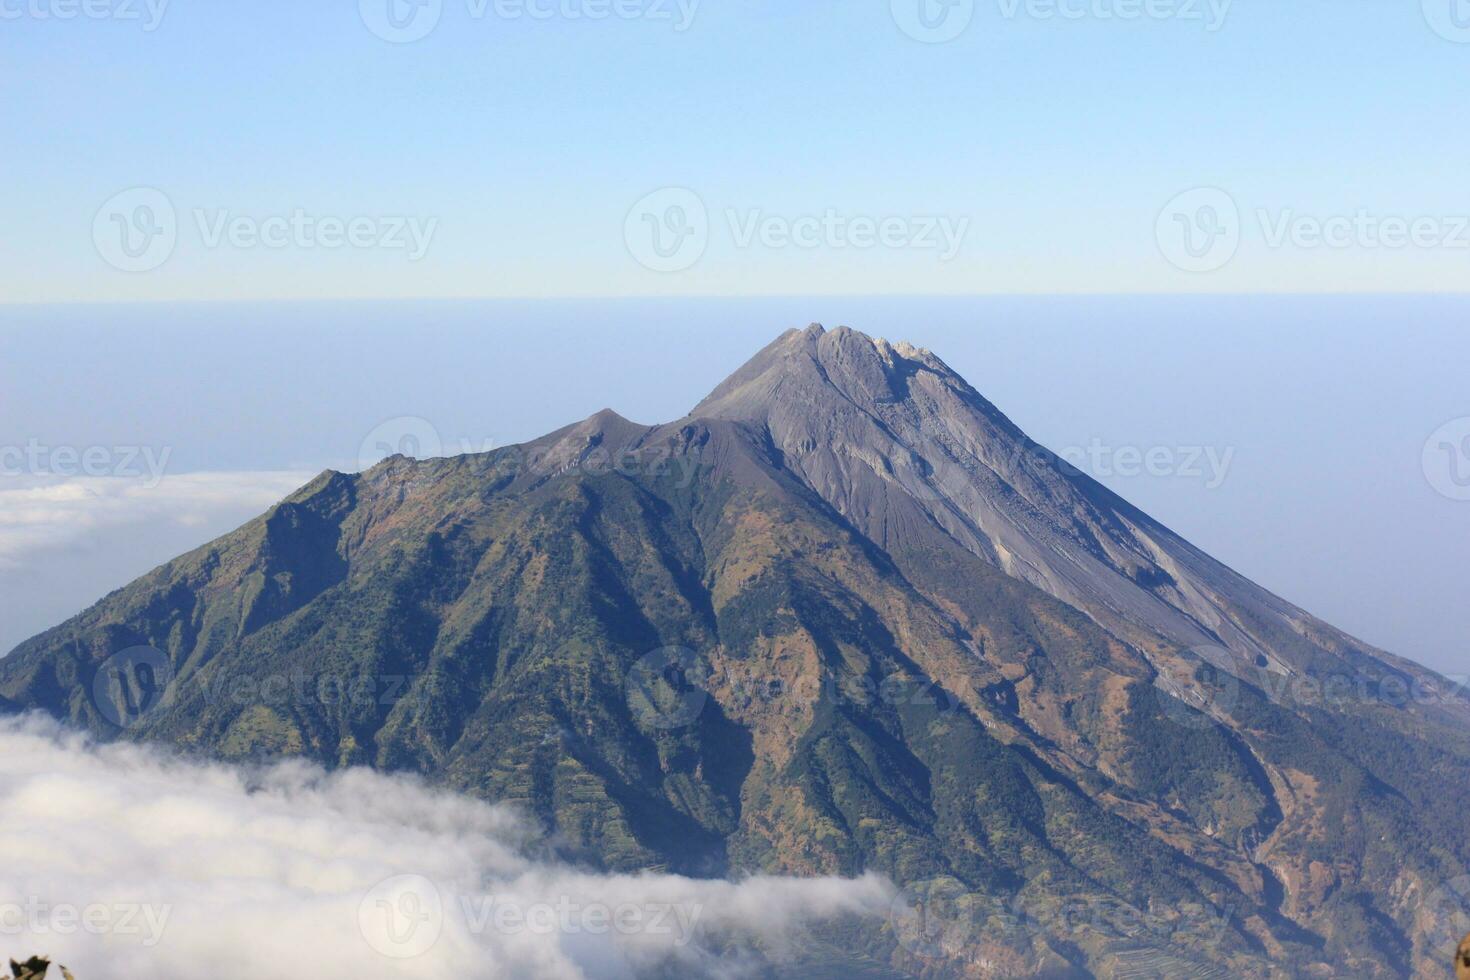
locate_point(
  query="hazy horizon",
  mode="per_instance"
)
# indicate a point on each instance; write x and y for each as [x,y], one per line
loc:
[1288,432]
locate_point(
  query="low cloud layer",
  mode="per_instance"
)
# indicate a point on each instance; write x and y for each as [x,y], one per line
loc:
[47,513]
[65,542]
[123,862]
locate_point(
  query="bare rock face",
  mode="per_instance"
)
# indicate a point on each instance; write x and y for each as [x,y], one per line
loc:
[844,616]
[913,456]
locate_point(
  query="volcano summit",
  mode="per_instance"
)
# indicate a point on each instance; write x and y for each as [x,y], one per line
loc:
[844,617]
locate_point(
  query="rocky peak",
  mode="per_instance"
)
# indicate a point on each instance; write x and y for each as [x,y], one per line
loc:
[917,460]
[815,365]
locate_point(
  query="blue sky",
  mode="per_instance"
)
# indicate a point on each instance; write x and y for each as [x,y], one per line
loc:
[522,142]
[838,159]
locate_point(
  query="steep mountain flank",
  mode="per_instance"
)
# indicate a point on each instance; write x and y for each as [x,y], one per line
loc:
[843,617]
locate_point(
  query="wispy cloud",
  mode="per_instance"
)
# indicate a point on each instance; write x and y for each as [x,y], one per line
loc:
[124,862]
[40,514]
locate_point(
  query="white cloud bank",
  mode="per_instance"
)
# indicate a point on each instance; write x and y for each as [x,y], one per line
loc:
[125,863]
[67,541]
[46,513]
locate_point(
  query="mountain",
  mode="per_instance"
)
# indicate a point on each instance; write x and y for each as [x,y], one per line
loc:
[844,616]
